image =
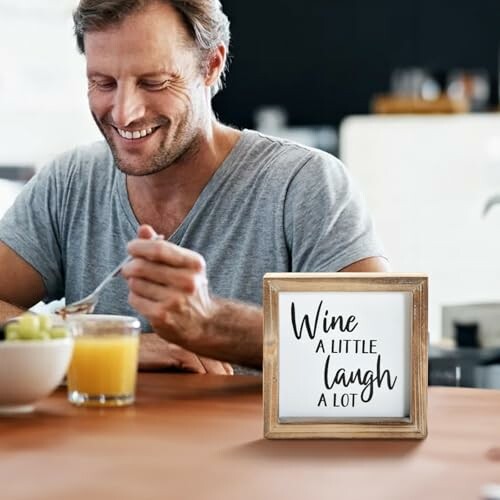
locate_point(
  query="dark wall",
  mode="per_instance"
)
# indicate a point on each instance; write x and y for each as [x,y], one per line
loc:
[324,59]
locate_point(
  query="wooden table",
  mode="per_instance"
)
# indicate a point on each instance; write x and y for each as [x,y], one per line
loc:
[200,436]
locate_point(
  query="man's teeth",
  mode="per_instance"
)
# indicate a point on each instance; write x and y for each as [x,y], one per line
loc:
[136,134]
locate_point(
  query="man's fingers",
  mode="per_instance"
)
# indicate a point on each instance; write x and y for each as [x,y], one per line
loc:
[229,368]
[188,361]
[146,231]
[141,269]
[216,367]
[167,299]
[199,364]
[157,353]
[166,253]
[147,289]
[147,308]
[212,366]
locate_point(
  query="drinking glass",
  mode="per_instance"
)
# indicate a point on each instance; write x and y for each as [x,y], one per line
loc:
[103,369]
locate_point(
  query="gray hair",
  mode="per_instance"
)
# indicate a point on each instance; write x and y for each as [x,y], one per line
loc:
[205,21]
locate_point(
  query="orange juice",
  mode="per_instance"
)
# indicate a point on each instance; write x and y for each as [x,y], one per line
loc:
[104,369]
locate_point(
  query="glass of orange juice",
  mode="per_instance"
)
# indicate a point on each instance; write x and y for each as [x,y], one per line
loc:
[103,369]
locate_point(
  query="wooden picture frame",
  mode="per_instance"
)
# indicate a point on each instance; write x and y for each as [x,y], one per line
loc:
[387,312]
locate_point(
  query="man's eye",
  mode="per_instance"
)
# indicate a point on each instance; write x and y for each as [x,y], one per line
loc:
[102,84]
[106,85]
[154,85]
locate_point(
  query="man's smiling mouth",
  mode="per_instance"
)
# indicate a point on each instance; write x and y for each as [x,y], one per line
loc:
[135,134]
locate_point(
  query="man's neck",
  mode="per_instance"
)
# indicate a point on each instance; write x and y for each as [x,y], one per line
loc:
[170,194]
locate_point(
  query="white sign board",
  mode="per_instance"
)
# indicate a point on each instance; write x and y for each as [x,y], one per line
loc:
[344,354]
[344,350]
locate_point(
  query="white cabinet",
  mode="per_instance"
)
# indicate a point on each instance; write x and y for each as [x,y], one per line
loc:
[426,180]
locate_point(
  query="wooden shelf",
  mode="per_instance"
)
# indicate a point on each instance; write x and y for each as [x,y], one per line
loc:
[387,104]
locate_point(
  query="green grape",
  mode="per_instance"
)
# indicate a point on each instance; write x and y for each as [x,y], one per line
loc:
[40,335]
[45,322]
[12,331]
[58,332]
[29,326]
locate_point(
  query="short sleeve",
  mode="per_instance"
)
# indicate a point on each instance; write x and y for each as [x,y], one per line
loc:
[31,228]
[327,224]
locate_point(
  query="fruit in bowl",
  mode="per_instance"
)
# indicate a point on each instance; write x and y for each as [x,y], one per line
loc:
[35,352]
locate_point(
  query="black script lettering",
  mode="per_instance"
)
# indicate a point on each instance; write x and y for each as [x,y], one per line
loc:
[334,321]
[366,379]
[305,322]
[339,321]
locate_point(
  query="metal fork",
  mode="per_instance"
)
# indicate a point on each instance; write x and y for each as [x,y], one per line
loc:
[88,303]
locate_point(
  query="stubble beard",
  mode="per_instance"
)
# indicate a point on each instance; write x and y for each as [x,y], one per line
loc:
[184,145]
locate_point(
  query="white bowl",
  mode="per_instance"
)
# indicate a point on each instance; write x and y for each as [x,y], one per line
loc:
[30,370]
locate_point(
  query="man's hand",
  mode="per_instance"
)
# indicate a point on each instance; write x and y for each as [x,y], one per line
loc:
[157,354]
[8,311]
[168,286]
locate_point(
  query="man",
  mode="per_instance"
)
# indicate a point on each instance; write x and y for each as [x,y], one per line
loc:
[230,205]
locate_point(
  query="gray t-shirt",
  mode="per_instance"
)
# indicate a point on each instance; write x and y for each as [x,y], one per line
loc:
[272,206]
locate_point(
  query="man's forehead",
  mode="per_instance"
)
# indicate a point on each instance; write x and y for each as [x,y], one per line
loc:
[114,38]
[133,56]
[157,25]
[138,71]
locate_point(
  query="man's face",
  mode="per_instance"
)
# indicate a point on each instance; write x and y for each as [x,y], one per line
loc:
[146,90]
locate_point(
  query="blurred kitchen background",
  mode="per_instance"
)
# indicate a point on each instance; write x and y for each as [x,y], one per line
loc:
[406,92]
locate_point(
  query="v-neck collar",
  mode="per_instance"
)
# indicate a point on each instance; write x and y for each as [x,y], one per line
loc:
[210,188]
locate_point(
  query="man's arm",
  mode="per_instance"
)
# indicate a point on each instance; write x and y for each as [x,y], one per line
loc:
[8,311]
[235,330]
[167,285]
[370,265]
[21,286]
[156,354]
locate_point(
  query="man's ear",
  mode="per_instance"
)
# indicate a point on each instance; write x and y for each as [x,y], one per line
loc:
[215,65]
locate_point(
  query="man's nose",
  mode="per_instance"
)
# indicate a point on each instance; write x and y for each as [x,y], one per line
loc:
[128,106]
